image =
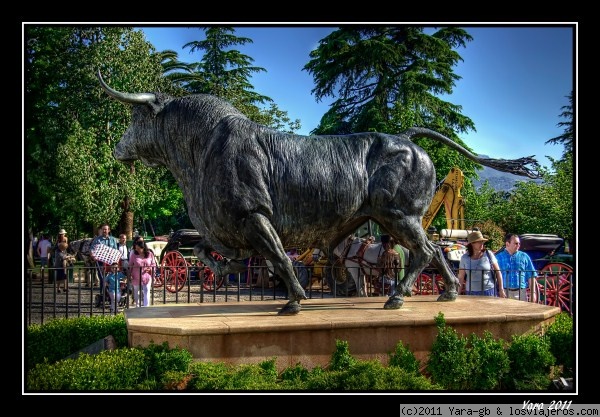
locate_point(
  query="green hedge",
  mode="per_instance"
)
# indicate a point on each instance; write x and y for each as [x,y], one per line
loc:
[456,362]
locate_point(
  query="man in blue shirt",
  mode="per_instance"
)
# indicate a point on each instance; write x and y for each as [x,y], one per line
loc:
[518,271]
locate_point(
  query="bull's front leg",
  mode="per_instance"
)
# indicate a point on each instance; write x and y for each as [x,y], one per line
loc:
[419,259]
[260,232]
[408,231]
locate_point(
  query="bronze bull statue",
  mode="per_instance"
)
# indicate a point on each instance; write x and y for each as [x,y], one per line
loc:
[251,190]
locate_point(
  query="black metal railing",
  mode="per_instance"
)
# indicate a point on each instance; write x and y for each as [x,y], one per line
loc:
[42,301]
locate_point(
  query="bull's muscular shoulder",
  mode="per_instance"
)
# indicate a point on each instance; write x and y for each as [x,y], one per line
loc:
[205,104]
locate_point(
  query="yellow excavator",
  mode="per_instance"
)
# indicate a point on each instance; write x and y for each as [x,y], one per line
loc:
[448,194]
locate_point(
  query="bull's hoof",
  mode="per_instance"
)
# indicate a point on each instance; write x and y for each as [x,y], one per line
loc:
[394,303]
[298,295]
[290,309]
[448,296]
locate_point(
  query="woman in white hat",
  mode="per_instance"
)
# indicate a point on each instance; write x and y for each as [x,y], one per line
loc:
[62,237]
[478,269]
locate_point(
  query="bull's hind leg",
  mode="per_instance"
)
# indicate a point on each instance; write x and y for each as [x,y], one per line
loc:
[450,280]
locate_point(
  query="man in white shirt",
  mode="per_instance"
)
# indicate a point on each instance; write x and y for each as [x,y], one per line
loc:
[43,250]
[122,247]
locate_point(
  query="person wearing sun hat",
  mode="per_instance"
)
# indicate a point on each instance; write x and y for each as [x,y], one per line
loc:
[62,237]
[62,263]
[478,271]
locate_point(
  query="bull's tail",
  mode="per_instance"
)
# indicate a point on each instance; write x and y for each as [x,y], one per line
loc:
[526,166]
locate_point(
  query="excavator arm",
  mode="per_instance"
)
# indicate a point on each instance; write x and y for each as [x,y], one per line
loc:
[448,194]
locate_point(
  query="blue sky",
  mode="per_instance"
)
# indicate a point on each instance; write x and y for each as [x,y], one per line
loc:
[515,79]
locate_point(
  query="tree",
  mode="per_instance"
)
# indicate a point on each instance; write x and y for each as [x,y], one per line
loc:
[566,139]
[388,79]
[72,178]
[225,73]
[540,208]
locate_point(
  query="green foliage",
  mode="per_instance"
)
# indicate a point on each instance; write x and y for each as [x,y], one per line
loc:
[341,358]
[294,378]
[473,363]
[448,361]
[403,358]
[220,377]
[455,363]
[226,73]
[269,368]
[208,376]
[373,376]
[175,380]
[494,233]
[540,208]
[488,360]
[161,358]
[72,177]
[59,338]
[568,136]
[387,79]
[116,370]
[252,378]
[321,380]
[559,335]
[368,376]
[530,362]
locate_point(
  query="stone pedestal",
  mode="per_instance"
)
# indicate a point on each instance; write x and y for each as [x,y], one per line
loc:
[251,331]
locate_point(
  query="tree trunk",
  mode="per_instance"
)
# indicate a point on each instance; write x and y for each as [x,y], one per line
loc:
[126,221]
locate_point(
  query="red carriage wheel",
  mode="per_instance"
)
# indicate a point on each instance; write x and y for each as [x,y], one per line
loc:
[554,283]
[173,271]
[210,281]
[423,285]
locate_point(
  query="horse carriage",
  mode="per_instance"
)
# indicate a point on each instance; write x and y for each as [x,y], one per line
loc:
[555,268]
[365,267]
[177,263]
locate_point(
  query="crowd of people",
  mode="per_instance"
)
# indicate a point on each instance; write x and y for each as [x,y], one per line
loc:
[116,265]
[507,273]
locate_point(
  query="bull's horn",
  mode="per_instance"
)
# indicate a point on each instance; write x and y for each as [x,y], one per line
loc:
[139,98]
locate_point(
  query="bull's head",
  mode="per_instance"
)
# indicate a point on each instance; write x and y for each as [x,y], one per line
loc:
[137,142]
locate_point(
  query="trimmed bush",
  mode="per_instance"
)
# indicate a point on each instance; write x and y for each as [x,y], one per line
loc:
[560,337]
[117,370]
[530,363]
[60,338]
[341,358]
[448,361]
[489,362]
[403,358]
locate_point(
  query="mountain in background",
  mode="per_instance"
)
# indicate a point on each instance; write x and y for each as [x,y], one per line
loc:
[499,181]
